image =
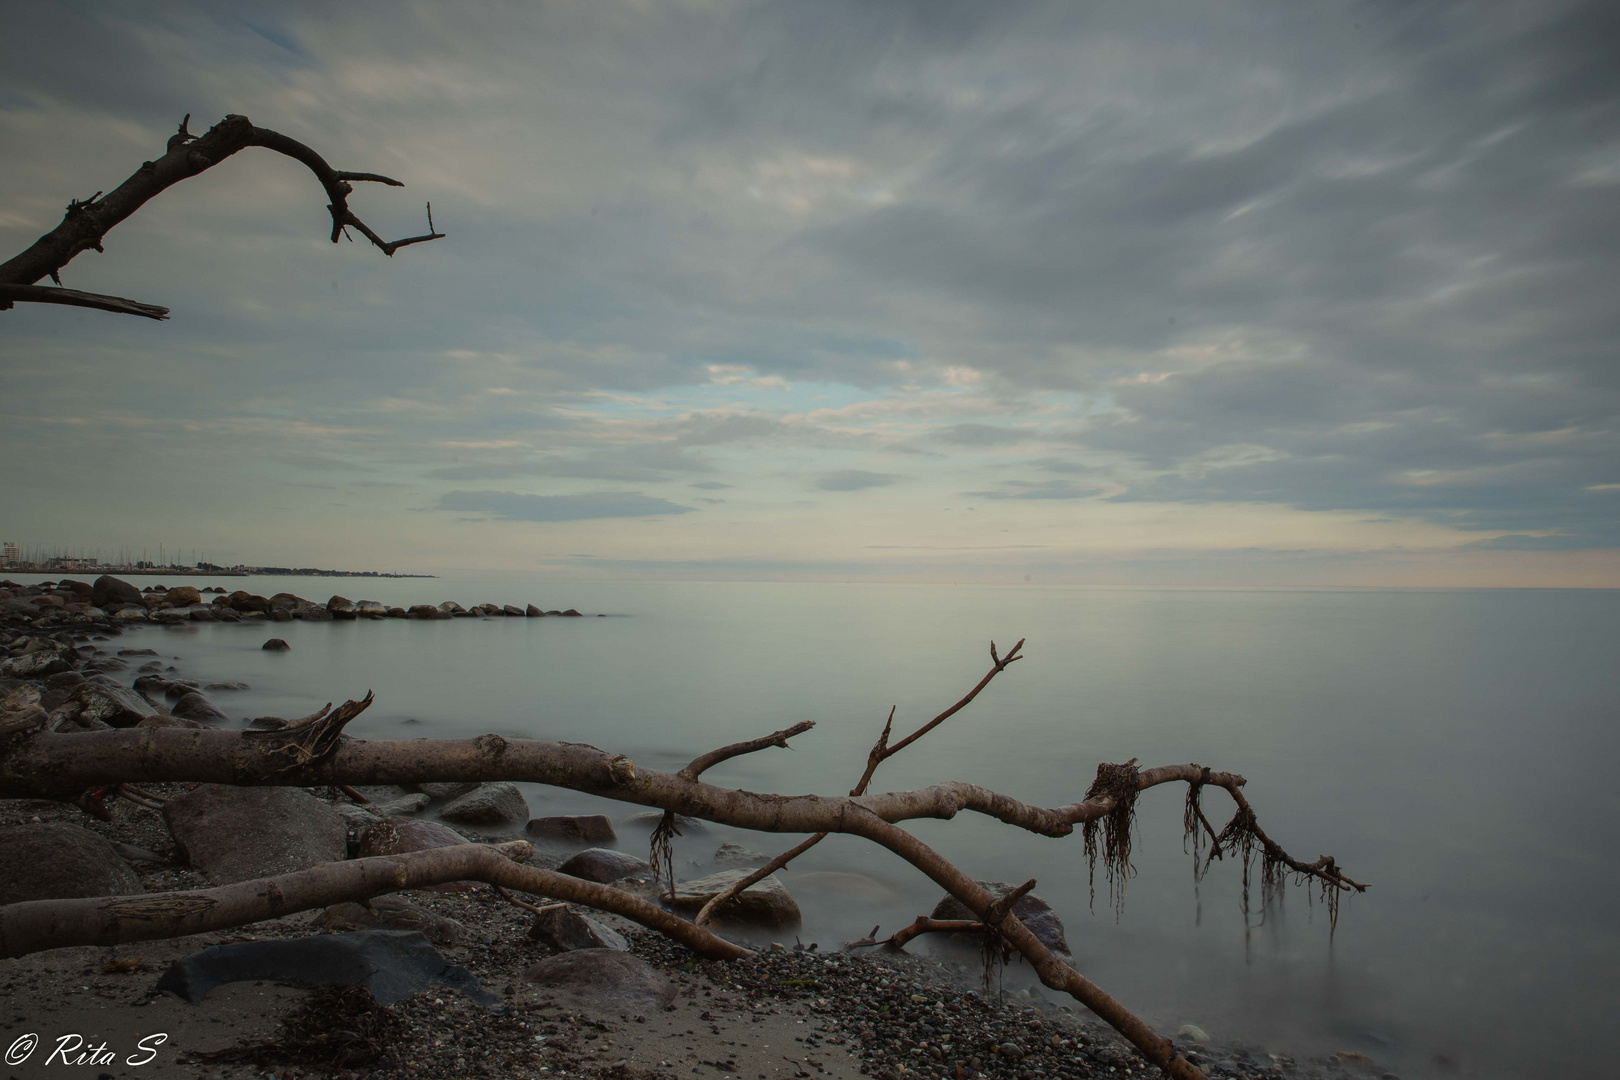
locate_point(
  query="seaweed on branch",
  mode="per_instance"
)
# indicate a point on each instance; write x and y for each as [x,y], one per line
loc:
[1120,784]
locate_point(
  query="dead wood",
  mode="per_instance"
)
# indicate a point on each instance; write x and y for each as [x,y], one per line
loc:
[113,920]
[87,222]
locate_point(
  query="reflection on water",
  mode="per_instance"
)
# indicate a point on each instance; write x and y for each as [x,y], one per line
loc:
[1440,744]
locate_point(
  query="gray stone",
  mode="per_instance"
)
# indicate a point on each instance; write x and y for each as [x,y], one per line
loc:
[195,706]
[1036,915]
[767,903]
[563,929]
[735,856]
[404,806]
[108,590]
[339,603]
[605,978]
[239,833]
[488,804]
[61,861]
[394,836]
[275,644]
[184,596]
[512,611]
[533,612]
[100,698]
[452,790]
[579,829]
[606,866]
[35,665]
[393,913]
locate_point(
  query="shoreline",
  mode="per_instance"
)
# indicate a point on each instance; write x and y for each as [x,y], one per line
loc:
[905,1037]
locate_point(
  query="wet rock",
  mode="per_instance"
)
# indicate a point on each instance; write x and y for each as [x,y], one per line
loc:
[137,652]
[426,611]
[735,856]
[393,913]
[370,609]
[533,612]
[512,610]
[184,595]
[1036,914]
[67,679]
[565,930]
[606,866]
[1192,1032]
[112,703]
[195,706]
[605,978]
[340,604]
[394,836]
[275,644]
[767,903]
[579,829]
[239,833]
[488,804]
[226,686]
[450,607]
[571,613]
[35,665]
[62,861]
[449,790]
[110,591]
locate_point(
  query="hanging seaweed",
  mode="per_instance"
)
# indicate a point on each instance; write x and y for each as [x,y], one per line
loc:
[1120,784]
[662,853]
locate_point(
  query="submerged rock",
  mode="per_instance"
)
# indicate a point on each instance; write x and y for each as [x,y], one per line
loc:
[582,828]
[767,903]
[1036,914]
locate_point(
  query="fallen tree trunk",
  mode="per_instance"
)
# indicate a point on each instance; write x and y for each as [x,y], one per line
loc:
[36,925]
[314,751]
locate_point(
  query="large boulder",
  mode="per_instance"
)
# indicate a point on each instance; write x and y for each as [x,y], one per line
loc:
[195,706]
[579,829]
[108,591]
[395,836]
[110,702]
[34,665]
[54,860]
[565,930]
[605,865]
[488,804]
[767,903]
[605,978]
[184,596]
[1036,914]
[240,833]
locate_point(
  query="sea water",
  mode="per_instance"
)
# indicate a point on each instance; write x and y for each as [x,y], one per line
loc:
[1451,748]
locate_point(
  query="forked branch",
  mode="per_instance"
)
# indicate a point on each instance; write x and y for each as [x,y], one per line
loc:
[88,221]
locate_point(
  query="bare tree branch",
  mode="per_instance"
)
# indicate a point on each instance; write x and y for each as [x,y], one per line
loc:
[88,221]
[726,753]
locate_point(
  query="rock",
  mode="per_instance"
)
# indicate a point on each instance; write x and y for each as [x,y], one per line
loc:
[195,706]
[447,791]
[606,866]
[511,610]
[240,833]
[129,615]
[767,903]
[1032,911]
[571,613]
[62,861]
[78,588]
[226,686]
[393,836]
[110,591]
[137,652]
[533,612]
[849,889]
[1192,1032]
[734,856]
[67,679]
[35,665]
[404,806]
[357,818]
[184,596]
[393,913]
[275,644]
[339,603]
[581,829]
[566,930]
[244,601]
[488,804]
[450,607]
[267,723]
[426,611]
[107,664]
[687,826]
[606,978]
[370,608]
[110,702]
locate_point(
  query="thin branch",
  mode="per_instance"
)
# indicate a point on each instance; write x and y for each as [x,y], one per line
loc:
[42,294]
[726,753]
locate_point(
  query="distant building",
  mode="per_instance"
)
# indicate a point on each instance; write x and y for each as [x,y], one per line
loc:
[10,555]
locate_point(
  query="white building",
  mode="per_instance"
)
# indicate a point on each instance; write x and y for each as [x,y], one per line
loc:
[9,555]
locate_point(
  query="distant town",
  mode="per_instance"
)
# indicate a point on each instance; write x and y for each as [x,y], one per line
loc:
[14,557]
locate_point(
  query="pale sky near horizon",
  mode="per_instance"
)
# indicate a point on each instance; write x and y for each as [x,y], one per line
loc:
[1113,293]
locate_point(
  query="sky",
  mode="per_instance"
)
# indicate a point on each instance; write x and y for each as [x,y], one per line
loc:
[1141,293]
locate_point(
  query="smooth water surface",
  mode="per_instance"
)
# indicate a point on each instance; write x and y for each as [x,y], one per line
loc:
[1449,747]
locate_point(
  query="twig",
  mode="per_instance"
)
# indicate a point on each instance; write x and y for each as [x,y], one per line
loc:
[725,753]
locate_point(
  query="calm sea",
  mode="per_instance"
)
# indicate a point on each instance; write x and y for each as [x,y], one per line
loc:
[1449,747]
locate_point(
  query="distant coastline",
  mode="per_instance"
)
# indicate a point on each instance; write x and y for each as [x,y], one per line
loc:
[195,571]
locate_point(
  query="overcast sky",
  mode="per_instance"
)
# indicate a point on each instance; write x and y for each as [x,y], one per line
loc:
[1110,292]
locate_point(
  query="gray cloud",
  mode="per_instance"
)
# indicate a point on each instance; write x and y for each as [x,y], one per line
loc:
[1038,489]
[980,435]
[511,506]
[854,480]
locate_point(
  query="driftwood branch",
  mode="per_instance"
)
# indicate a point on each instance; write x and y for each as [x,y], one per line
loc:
[113,920]
[881,752]
[88,221]
[726,753]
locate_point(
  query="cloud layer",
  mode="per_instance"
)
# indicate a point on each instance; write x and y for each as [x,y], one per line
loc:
[1336,279]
